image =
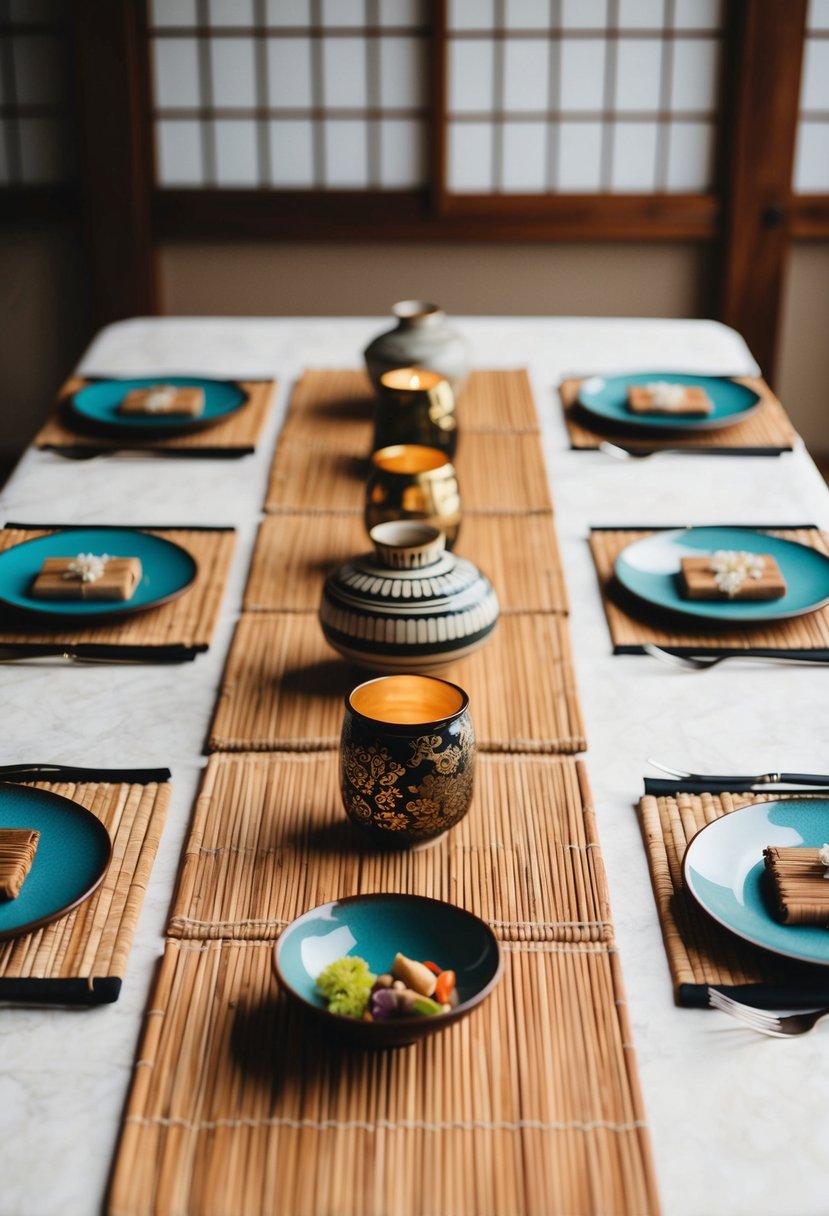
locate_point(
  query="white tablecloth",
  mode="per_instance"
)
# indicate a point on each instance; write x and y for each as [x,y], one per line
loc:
[735,1119]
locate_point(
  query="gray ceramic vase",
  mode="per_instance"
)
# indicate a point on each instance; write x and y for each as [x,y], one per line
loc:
[422,338]
[410,605]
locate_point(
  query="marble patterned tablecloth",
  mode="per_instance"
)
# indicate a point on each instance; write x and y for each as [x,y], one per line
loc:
[734,1118]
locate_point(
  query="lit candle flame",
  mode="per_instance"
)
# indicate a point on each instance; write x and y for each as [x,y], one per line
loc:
[414,382]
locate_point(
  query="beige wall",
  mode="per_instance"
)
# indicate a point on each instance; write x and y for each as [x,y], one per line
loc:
[803,378]
[363,279]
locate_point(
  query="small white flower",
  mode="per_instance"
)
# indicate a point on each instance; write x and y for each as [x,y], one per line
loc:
[665,395]
[731,568]
[87,567]
[160,399]
[823,858]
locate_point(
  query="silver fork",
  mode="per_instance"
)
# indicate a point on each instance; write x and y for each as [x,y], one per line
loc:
[777,1026]
[700,662]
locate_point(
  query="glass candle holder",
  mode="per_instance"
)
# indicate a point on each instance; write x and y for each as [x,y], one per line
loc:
[415,406]
[413,482]
[407,758]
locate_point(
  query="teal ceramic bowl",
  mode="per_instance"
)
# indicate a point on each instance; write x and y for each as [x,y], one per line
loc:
[375,928]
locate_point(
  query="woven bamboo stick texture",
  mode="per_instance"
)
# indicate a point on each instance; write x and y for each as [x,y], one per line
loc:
[809,632]
[283,687]
[525,1108]
[700,952]
[502,471]
[93,942]
[188,620]
[335,408]
[332,408]
[497,401]
[768,427]
[270,839]
[294,552]
[241,430]
[314,478]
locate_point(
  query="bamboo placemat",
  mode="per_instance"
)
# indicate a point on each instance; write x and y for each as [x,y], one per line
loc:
[81,959]
[497,401]
[699,951]
[633,623]
[332,408]
[179,629]
[496,473]
[237,436]
[283,687]
[335,407]
[270,839]
[529,1106]
[767,432]
[502,471]
[293,554]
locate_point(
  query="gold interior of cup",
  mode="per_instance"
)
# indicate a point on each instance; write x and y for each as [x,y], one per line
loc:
[410,379]
[409,458]
[407,700]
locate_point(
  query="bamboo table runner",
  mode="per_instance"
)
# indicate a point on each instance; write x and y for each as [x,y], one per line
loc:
[335,408]
[496,472]
[81,959]
[177,630]
[699,951]
[531,1105]
[633,623]
[767,432]
[283,686]
[236,436]
[293,554]
[270,839]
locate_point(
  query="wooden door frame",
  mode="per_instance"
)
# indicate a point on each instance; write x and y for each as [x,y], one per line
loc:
[766,46]
[115,158]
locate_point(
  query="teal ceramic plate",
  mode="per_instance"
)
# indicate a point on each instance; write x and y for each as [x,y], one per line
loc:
[97,403]
[649,569]
[71,859]
[605,397]
[167,571]
[724,872]
[375,928]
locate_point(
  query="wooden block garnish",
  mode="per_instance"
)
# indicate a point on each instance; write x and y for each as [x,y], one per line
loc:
[702,581]
[17,852]
[162,400]
[58,581]
[800,888]
[662,397]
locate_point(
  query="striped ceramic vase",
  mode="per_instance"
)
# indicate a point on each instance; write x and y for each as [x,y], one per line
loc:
[410,605]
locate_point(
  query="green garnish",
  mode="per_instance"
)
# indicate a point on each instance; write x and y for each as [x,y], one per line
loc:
[346,985]
[423,1007]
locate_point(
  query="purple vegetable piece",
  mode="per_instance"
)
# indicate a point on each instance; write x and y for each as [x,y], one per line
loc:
[383,1003]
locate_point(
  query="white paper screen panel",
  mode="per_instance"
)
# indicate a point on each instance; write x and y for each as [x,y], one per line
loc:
[35,135]
[811,164]
[582,96]
[291,94]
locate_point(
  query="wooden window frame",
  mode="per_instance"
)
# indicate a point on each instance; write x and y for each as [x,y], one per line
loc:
[749,223]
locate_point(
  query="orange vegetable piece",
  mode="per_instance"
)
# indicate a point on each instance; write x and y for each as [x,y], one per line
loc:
[433,967]
[444,987]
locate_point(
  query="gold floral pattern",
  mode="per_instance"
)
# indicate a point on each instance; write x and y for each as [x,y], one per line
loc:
[369,767]
[420,794]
